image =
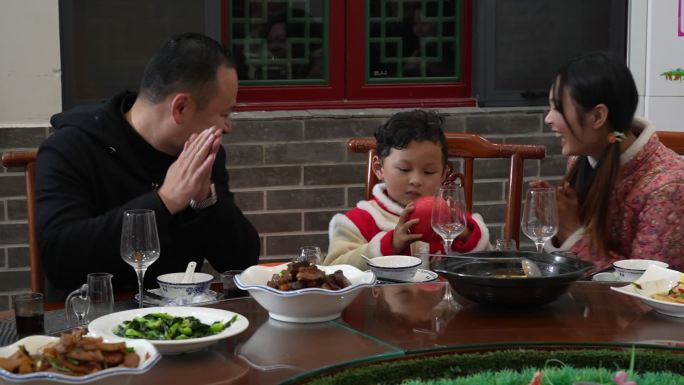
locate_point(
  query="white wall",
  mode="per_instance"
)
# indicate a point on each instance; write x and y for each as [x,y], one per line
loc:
[654,48]
[30,70]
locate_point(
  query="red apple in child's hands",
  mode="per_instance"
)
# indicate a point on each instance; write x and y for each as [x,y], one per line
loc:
[423,211]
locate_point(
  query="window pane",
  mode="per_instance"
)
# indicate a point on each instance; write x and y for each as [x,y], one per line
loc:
[413,40]
[279,41]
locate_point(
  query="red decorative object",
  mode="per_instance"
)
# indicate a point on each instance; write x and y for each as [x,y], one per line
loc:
[423,211]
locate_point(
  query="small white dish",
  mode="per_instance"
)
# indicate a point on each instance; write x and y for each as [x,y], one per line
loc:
[304,305]
[629,270]
[655,280]
[420,276]
[205,298]
[394,267]
[104,325]
[117,375]
[605,277]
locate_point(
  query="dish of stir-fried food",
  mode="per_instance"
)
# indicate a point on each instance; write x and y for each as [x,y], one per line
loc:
[73,354]
[302,275]
[676,294]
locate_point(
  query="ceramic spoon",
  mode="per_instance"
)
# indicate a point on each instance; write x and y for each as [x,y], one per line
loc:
[530,268]
[189,272]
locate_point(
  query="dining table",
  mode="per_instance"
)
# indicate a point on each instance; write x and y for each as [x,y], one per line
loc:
[397,320]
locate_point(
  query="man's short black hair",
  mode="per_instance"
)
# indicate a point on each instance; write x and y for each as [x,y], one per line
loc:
[187,62]
[404,127]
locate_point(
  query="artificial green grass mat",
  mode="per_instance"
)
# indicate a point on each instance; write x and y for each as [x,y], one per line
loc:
[465,364]
[552,376]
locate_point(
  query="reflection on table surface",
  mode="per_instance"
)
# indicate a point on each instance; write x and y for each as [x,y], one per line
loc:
[392,320]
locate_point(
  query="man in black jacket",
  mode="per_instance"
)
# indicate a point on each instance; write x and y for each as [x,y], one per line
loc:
[159,150]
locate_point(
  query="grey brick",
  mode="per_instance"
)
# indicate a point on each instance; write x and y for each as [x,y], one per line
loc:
[488,191]
[357,157]
[12,186]
[4,302]
[340,128]
[305,152]
[18,257]
[454,123]
[503,123]
[265,176]
[15,280]
[249,200]
[16,209]
[552,143]
[11,233]
[287,245]
[499,168]
[245,154]
[553,165]
[265,131]
[355,194]
[305,199]
[3,257]
[276,222]
[334,174]
[2,210]
[318,220]
[492,213]
[24,137]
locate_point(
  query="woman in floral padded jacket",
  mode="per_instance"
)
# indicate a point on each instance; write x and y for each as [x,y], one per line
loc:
[623,194]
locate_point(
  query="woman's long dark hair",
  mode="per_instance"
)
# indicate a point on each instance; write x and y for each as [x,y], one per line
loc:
[593,79]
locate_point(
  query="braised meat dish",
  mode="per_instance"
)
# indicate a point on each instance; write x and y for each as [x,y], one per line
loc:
[302,275]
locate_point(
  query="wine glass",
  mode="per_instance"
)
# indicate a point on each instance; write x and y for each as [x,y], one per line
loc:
[540,217]
[449,214]
[139,243]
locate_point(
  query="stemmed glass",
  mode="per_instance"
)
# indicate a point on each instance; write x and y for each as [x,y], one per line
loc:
[139,243]
[540,217]
[449,213]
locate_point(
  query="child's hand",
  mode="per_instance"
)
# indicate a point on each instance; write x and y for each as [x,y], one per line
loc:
[402,235]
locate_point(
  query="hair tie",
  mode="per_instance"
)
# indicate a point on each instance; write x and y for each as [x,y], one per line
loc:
[616,136]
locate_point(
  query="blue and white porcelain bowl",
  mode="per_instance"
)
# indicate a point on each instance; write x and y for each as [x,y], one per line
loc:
[170,285]
[312,304]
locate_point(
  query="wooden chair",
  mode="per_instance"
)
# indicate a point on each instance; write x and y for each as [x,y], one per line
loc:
[471,147]
[672,139]
[27,160]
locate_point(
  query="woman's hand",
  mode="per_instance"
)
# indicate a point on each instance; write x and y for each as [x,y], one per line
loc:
[568,211]
[402,236]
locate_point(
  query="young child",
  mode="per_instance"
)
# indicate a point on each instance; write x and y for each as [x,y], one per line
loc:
[412,162]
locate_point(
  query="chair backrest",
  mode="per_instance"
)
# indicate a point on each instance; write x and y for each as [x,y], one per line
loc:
[672,139]
[27,160]
[471,147]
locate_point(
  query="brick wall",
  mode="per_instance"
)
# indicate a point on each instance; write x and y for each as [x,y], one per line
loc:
[290,173]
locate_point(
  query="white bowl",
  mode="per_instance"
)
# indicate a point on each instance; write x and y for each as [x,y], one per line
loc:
[170,286]
[117,375]
[656,280]
[395,267]
[304,305]
[629,270]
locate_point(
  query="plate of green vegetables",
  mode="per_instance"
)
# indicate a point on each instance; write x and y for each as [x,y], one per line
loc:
[171,329]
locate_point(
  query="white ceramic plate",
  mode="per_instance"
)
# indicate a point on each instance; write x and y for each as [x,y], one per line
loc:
[421,276]
[104,325]
[119,375]
[305,305]
[655,280]
[205,298]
